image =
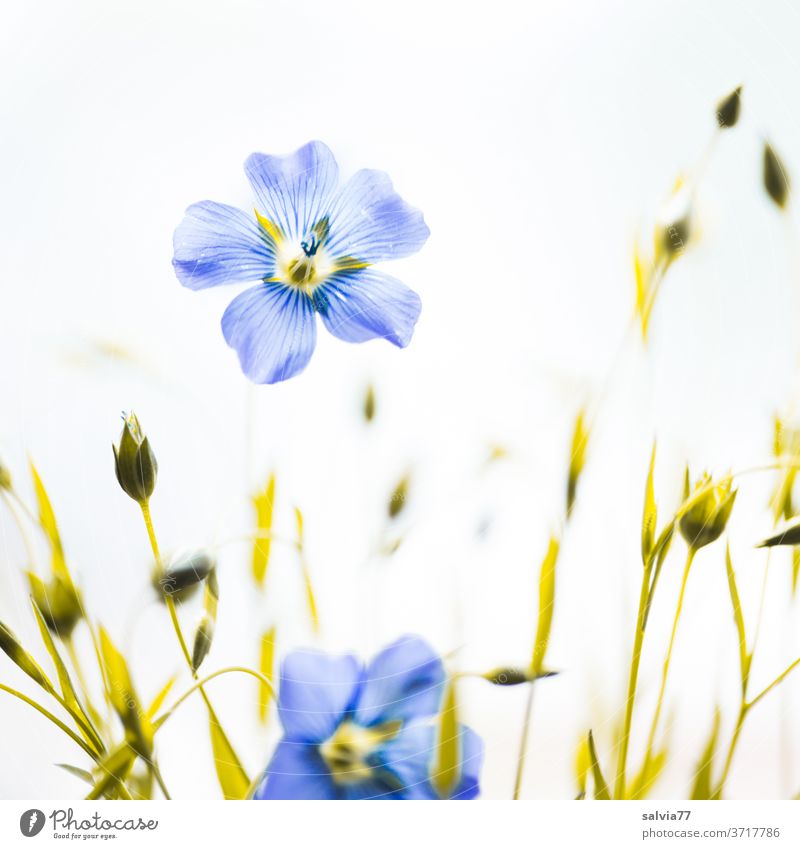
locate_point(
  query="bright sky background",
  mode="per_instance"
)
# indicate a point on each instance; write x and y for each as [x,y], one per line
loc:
[538,138]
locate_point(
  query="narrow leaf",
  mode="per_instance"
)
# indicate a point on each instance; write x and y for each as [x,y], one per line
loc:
[446,768]
[262,545]
[788,535]
[738,618]
[155,705]
[648,775]
[547,592]
[313,610]
[112,769]
[600,786]
[78,773]
[231,775]
[701,789]
[204,634]
[266,668]
[577,458]
[650,512]
[10,644]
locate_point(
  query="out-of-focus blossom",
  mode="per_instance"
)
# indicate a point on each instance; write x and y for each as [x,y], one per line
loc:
[356,732]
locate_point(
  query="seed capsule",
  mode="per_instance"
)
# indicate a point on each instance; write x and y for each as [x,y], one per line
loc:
[134,462]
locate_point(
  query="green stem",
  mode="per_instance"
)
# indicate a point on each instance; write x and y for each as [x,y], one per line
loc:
[789,669]
[667,660]
[743,708]
[199,684]
[633,678]
[54,719]
[523,743]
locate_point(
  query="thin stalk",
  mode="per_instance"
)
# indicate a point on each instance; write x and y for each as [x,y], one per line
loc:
[633,678]
[523,743]
[199,684]
[76,665]
[667,660]
[744,709]
[54,719]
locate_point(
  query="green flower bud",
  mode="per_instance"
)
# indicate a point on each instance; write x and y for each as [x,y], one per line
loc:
[183,573]
[776,178]
[202,640]
[369,404]
[134,461]
[674,228]
[728,109]
[707,518]
[59,603]
[507,676]
[397,500]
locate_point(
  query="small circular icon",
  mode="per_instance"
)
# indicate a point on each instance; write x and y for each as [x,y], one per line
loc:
[31,822]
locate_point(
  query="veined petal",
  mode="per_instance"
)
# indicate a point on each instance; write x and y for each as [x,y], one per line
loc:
[273,329]
[296,771]
[293,191]
[408,758]
[368,304]
[217,244]
[316,692]
[371,222]
[403,682]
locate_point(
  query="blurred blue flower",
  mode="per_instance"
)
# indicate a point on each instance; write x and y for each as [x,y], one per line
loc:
[312,246]
[355,732]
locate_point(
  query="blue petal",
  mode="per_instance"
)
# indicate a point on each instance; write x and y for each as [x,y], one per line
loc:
[368,304]
[217,244]
[294,191]
[273,329]
[371,222]
[316,692]
[403,682]
[296,771]
[408,758]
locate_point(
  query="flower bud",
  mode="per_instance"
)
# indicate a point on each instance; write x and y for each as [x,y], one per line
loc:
[397,500]
[776,178]
[134,461]
[706,519]
[202,640]
[59,603]
[369,404]
[728,109]
[674,229]
[510,676]
[180,577]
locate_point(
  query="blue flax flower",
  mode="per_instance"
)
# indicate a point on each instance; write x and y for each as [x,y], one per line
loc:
[356,732]
[312,245]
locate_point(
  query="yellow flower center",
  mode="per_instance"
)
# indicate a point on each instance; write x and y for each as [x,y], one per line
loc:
[304,264]
[347,752]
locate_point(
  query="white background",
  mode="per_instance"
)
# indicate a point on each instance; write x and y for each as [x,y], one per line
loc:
[538,138]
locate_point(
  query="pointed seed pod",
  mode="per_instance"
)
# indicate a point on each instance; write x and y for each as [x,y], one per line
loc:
[134,461]
[59,602]
[369,404]
[728,109]
[707,518]
[776,178]
[5,478]
[397,500]
[182,574]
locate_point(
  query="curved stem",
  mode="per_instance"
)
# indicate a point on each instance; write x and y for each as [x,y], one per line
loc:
[667,660]
[200,684]
[523,743]
[54,719]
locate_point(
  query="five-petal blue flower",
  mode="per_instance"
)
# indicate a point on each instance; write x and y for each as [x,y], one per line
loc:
[312,245]
[355,732]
